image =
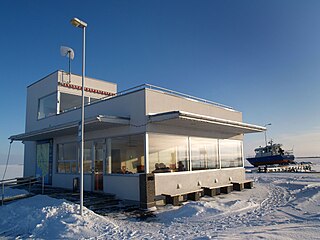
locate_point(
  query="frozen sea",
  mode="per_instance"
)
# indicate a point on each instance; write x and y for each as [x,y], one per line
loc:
[13,171]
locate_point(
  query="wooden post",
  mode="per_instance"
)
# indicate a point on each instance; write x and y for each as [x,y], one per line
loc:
[2,194]
[42,185]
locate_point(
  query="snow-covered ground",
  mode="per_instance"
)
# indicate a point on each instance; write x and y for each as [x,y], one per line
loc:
[281,206]
[12,192]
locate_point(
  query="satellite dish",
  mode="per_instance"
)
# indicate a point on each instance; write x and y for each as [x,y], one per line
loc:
[66,51]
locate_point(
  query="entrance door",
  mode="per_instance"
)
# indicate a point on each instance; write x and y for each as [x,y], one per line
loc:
[99,152]
[44,161]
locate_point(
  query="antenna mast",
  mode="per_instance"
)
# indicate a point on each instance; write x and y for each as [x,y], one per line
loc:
[66,51]
[69,52]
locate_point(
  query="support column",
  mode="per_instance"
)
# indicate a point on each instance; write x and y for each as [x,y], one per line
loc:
[242,153]
[219,155]
[58,102]
[109,156]
[147,190]
[93,165]
[146,153]
[189,153]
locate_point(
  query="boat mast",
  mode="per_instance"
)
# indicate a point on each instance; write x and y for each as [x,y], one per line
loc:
[265,133]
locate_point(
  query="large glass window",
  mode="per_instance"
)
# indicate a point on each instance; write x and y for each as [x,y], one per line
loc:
[69,101]
[230,153]
[87,157]
[67,157]
[47,106]
[127,154]
[168,153]
[99,150]
[204,153]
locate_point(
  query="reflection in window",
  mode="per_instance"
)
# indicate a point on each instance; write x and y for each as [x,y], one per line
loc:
[230,153]
[67,157]
[68,160]
[204,153]
[99,147]
[87,157]
[69,101]
[127,154]
[168,153]
[92,100]
[47,106]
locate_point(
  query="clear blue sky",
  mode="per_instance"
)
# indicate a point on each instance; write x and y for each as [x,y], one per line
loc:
[260,57]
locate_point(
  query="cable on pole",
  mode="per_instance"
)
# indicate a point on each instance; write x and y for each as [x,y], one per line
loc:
[5,170]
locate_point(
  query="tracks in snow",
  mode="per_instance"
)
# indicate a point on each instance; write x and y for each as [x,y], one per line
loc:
[253,216]
[213,225]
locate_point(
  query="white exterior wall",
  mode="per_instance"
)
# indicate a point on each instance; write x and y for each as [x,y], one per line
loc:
[66,181]
[35,91]
[130,105]
[89,82]
[157,102]
[125,186]
[188,181]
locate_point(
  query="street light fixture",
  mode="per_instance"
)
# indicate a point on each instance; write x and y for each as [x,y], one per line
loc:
[265,133]
[81,24]
[78,23]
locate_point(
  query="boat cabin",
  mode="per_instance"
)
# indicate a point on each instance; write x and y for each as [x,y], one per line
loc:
[269,150]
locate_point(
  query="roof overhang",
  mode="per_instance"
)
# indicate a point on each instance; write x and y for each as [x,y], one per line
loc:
[92,124]
[202,122]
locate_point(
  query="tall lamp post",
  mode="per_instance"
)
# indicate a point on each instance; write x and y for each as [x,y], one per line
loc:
[265,133]
[80,24]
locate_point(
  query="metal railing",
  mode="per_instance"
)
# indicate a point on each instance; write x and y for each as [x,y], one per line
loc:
[167,91]
[158,89]
[16,183]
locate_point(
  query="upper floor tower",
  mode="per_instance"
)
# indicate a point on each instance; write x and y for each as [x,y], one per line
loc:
[58,93]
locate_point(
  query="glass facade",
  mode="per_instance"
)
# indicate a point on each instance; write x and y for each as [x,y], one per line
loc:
[99,151]
[127,154]
[67,155]
[171,153]
[230,153]
[204,153]
[87,157]
[168,153]
[47,106]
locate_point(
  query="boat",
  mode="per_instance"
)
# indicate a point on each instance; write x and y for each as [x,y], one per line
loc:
[271,154]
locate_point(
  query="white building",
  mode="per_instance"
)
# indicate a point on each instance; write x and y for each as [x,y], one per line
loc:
[139,143]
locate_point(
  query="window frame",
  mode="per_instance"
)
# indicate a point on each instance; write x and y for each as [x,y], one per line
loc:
[56,105]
